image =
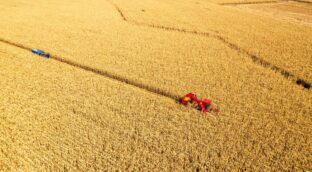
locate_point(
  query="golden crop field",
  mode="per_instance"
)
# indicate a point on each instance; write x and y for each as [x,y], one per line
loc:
[106,99]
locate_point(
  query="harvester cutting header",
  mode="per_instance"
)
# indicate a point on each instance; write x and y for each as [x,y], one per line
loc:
[204,105]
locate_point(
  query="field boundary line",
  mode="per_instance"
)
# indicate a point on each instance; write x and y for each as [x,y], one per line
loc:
[262,2]
[249,3]
[106,74]
[302,1]
[122,15]
[256,59]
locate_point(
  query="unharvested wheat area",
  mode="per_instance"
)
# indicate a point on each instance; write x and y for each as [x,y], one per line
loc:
[107,97]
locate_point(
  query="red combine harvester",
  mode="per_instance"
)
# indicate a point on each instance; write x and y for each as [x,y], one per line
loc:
[204,105]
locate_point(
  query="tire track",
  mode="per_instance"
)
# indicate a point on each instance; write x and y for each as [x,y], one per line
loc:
[256,59]
[118,78]
[263,2]
[302,1]
[172,29]
[249,3]
[118,9]
[15,44]
[122,15]
[106,74]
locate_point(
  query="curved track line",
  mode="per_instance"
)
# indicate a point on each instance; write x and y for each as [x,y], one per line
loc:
[106,74]
[256,59]
[122,15]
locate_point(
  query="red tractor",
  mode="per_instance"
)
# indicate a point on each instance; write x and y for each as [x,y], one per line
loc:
[204,105]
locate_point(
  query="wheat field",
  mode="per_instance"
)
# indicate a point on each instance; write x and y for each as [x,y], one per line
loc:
[106,99]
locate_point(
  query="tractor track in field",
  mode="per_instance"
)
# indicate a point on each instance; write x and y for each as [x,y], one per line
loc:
[256,59]
[249,3]
[106,74]
[118,78]
[263,2]
[302,1]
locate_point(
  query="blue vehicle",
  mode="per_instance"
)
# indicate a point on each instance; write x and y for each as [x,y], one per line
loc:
[40,53]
